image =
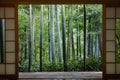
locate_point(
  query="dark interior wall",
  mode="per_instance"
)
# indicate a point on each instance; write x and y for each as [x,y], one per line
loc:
[61,1]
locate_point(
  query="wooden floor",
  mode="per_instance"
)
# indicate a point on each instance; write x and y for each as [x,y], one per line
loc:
[62,79]
[60,76]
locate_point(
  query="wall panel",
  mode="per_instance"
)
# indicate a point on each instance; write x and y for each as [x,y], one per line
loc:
[8,70]
[112,67]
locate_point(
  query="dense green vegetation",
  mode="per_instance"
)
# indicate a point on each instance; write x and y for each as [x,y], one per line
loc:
[60,37]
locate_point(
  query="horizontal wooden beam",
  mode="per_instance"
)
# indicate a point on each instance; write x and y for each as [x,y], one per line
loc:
[59,1]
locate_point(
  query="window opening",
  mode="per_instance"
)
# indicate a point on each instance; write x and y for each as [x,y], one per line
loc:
[60,37]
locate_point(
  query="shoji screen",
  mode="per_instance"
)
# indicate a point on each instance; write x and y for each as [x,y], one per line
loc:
[112,67]
[8,70]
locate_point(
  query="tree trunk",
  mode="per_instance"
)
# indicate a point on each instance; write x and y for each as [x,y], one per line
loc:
[58,34]
[51,28]
[41,35]
[100,42]
[84,8]
[72,39]
[63,38]
[78,39]
[26,34]
[68,41]
[50,51]
[80,50]
[35,38]
[78,35]
[34,32]
[73,49]
[20,53]
[89,37]
[30,40]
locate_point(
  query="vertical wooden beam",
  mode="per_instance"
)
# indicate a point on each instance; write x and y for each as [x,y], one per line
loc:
[104,41]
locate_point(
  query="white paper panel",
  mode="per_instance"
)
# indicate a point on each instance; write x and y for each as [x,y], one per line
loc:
[110,23]
[110,46]
[1,12]
[10,46]
[110,57]
[118,13]
[2,68]
[10,35]
[118,68]
[110,68]
[10,24]
[10,68]
[9,12]
[10,57]
[110,34]
[110,12]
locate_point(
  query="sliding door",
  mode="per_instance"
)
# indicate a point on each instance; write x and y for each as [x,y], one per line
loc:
[8,49]
[112,40]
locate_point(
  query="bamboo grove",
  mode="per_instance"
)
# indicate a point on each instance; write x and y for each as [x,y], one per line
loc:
[60,37]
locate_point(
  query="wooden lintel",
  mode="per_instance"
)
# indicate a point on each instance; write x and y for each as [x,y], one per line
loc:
[60,1]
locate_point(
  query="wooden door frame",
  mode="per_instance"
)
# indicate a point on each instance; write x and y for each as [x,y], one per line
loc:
[103,28]
[105,4]
[105,75]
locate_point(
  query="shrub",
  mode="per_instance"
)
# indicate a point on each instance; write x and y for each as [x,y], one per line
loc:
[92,64]
[23,66]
